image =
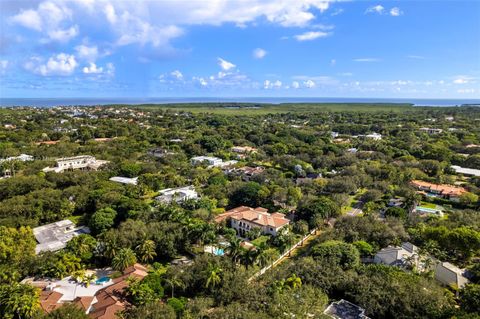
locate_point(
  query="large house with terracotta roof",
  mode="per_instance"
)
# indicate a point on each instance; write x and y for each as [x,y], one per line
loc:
[103,303]
[439,190]
[244,219]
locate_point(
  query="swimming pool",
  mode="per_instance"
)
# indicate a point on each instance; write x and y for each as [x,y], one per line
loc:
[218,252]
[422,209]
[102,280]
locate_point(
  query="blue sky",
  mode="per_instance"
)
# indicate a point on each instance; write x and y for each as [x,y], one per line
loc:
[295,48]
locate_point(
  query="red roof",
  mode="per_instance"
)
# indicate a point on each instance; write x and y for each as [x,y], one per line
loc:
[443,189]
[259,216]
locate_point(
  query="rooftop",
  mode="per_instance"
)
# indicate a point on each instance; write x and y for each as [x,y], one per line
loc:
[466,171]
[124,180]
[259,216]
[53,237]
[444,189]
[344,309]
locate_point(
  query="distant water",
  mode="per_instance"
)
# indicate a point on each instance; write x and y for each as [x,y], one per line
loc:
[51,102]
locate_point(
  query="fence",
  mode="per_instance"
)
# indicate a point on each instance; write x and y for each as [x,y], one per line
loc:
[285,254]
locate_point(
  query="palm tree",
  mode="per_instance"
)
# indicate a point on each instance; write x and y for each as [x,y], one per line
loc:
[123,259]
[214,278]
[235,248]
[146,250]
[173,280]
[249,257]
[294,281]
[266,256]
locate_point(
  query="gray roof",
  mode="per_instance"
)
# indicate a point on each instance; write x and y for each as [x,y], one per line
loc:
[54,236]
[344,309]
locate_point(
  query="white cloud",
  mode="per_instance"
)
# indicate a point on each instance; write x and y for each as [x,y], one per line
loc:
[110,14]
[465,91]
[333,62]
[259,53]
[463,79]
[366,60]
[61,35]
[295,84]
[376,9]
[49,18]
[379,9]
[267,84]
[309,84]
[88,53]
[60,64]
[92,69]
[3,66]
[28,19]
[225,65]
[395,12]
[311,35]
[177,75]
[416,57]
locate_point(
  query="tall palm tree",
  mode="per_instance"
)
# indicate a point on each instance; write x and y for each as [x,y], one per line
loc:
[249,257]
[123,259]
[266,256]
[214,277]
[235,248]
[294,281]
[146,250]
[173,280]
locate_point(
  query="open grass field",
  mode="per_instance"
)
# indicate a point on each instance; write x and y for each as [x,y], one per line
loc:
[261,109]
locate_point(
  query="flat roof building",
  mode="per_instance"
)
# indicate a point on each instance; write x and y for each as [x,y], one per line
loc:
[344,309]
[466,171]
[54,236]
[177,195]
[76,162]
[124,180]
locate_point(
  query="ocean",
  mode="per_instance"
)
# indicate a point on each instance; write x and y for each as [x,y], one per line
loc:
[52,102]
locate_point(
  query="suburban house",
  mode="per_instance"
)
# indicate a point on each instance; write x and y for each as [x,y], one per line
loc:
[99,300]
[344,309]
[247,172]
[466,171]
[450,275]
[54,236]
[159,152]
[244,149]
[211,161]
[439,190]
[124,180]
[397,256]
[431,131]
[86,162]
[244,219]
[21,158]
[178,195]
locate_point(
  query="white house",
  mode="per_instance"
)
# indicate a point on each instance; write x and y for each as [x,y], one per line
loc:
[212,161]
[431,131]
[466,171]
[244,219]
[450,275]
[397,256]
[76,162]
[21,158]
[374,136]
[178,195]
[53,237]
[124,180]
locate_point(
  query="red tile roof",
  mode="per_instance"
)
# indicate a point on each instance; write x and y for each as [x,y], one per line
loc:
[259,216]
[443,189]
[111,299]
